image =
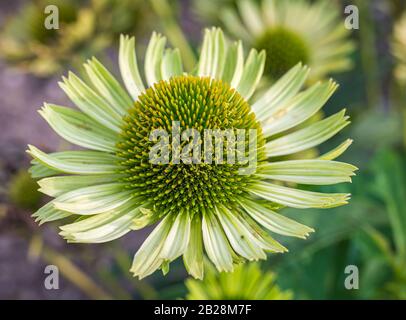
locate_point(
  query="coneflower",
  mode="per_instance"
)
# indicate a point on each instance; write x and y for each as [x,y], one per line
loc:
[291,31]
[213,208]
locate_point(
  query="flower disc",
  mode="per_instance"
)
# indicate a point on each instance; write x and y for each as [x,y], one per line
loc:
[284,49]
[195,103]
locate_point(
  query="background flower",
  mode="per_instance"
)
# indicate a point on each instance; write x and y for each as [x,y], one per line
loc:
[85,28]
[291,31]
[246,282]
[399,49]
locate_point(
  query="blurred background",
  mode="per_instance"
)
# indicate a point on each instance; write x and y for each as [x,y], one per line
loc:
[369,233]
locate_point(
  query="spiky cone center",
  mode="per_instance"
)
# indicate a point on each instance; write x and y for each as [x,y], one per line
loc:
[194,103]
[284,49]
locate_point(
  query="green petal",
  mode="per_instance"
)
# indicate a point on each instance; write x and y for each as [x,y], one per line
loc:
[307,137]
[241,240]
[171,64]
[263,238]
[233,24]
[55,186]
[38,170]
[336,152]
[193,256]
[77,162]
[146,260]
[281,92]
[94,199]
[108,87]
[178,238]
[234,64]
[102,227]
[251,16]
[219,55]
[273,221]
[78,128]
[153,58]
[316,172]
[299,109]
[49,213]
[252,73]
[90,103]
[216,243]
[296,198]
[212,56]
[203,68]
[129,67]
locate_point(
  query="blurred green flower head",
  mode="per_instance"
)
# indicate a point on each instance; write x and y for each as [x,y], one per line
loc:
[208,209]
[291,31]
[246,282]
[23,191]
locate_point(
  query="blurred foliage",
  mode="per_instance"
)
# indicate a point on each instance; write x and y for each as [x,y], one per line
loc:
[23,191]
[86,28]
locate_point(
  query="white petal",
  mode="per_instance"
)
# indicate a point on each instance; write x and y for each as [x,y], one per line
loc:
[91,103]
[55,186]
[102,227]
[316,172]
[216,243]
[296,198]
[242,241]
[153,58]
[78,128]
[171,64]
[108,87]
[273,221]
[253,70]
[77,162]
[193,256]
[129,67]
[307,137]
[234,64]
[94,199]
[178,238]
[336,152]
[299,109]
[283,90]
[146,260]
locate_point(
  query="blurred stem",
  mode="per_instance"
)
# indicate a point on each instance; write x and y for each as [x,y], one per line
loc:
[110,281]
[146,291]
[174,32]
[368,53]
[71,272]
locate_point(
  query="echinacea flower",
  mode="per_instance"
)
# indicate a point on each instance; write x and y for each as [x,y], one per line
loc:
[291,31]
[399,49]
[246,282]
[84,29]
[214,208]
